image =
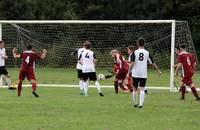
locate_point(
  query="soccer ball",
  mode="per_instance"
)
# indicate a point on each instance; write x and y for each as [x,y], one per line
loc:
[101,77]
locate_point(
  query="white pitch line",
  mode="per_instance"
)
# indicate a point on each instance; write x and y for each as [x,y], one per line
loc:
[92,86]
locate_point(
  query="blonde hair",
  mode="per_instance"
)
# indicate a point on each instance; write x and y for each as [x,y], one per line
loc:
[114,51]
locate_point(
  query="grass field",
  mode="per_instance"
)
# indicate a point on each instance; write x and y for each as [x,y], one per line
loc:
[65,109]
[69,76]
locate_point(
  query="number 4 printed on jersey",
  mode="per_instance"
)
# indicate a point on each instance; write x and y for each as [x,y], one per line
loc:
[27,59]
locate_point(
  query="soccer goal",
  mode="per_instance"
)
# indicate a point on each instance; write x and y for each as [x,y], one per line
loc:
[62,37]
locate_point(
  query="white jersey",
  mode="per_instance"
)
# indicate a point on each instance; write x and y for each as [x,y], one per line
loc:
[79,52]
[140,58]
[2,54]
[87,58]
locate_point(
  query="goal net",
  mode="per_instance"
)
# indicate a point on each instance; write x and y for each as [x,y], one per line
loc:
[61,38]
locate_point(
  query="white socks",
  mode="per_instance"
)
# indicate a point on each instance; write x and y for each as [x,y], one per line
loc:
[134,95]
[85,88]
[81,85]
[98,86]
[8,82]
[142,96]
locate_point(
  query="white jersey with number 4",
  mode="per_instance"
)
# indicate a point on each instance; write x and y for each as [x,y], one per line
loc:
[140,57]
[80,51]
[2,54]
[87,58]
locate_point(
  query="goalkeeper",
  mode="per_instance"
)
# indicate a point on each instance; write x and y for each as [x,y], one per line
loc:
[120,71]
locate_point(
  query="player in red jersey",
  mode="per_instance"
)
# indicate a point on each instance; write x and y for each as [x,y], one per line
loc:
[27,69]
[187,63]
[120,71]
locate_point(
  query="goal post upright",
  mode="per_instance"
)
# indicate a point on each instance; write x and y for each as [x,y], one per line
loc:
[172,55]
[0,31]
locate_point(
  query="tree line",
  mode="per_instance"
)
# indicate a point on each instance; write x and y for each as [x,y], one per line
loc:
[188,10]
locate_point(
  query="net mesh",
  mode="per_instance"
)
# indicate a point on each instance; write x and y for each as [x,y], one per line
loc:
[62,39]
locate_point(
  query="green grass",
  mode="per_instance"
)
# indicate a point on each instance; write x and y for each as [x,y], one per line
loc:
[69,76]
[65,109]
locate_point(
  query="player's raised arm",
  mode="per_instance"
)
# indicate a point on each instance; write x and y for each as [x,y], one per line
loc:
[153,64]
[74,52]
[15,55]
[43,54]
[95,59]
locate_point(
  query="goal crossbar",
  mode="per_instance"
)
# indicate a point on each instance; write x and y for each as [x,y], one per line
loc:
[86,21]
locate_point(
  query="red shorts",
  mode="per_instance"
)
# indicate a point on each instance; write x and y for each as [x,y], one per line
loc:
[27,73]
[187,79]
[121,74]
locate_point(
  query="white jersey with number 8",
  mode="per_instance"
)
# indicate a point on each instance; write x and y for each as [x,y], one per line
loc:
[140,58]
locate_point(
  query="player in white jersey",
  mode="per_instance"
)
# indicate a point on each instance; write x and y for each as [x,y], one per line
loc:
[3,70]
[138,68]
[79,51]
[88,59]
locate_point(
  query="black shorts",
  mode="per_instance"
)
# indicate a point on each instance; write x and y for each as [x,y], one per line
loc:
[91,75]
[141,82]
[79,73]
[3,70]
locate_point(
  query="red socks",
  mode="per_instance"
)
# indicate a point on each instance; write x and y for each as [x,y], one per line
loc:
[19,88]
[33,87]
[182,90]
[194,91]
[116,86]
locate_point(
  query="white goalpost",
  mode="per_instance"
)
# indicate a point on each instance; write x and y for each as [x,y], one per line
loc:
[61,37]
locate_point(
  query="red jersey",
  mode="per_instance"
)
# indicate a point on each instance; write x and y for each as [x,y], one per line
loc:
[188,61]
[123,64]
[28,59]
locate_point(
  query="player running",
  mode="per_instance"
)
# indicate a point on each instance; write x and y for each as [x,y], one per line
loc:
[88,60]
[27,69]
[187,63]
[3,70]
[120,71]
[79,51]
[138,68]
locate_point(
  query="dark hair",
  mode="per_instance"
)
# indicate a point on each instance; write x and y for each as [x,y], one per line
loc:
[183,46]
[29,47]
[1,41]
[140,41]
[131,48]
[87,44]
[178,48]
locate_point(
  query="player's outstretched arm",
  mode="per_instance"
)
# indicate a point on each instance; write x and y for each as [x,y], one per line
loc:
[43,54]
[130,69]
[15,55]
[156,67]
[178,67]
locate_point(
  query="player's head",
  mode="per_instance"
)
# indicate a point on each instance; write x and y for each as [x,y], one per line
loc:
[130,49]
[1,44]
[177,50]
[140,42]
[29,47]
[114,52]
[87,44]
[180,48]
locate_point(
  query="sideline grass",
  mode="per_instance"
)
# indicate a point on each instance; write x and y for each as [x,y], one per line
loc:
[65,109]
